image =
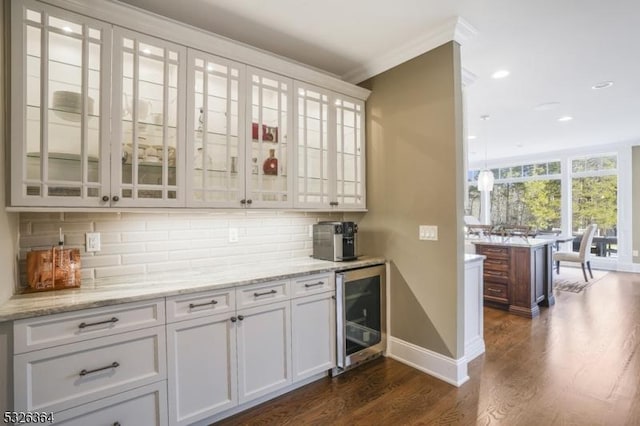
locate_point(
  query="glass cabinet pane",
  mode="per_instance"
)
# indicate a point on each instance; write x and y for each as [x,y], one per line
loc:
[60,103]
[350,153]
[313,187]
[150,147]
[267,147]
[217,166]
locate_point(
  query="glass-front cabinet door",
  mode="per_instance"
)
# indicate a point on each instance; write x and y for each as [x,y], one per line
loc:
[350,166]
[215,142]
[313,185]
[268,147]
[60,103]
[148,127]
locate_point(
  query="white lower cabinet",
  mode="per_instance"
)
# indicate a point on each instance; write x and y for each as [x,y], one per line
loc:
[144,406]
[110,374]
[202,368]
[264,350]
[313,334]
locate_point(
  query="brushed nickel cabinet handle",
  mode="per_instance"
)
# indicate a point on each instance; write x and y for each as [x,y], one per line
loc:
[233,319]
[494,273]
[314,284]
[197,305]
[84,372]
[240,317]
[494,290]
[264,294]
[91,324]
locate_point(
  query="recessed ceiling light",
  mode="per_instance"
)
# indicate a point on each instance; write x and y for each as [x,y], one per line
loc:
[500,74]
[602,85]
[565,118]
[472,137]
[546,106]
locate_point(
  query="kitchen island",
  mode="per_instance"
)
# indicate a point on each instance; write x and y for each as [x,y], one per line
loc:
[517,273]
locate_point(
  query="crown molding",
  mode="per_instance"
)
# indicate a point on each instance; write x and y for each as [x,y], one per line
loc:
[468,78]
[454,29]
[143,21]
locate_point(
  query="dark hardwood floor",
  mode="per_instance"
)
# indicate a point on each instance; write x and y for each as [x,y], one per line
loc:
[576,364]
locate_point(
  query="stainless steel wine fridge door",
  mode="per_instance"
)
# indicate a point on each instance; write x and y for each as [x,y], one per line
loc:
[361,314]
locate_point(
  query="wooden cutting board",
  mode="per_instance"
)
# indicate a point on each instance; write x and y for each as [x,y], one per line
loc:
[53,269]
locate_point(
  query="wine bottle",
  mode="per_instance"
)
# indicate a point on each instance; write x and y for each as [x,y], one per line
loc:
[270,165]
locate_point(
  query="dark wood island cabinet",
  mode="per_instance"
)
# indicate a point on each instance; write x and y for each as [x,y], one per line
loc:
[517,274]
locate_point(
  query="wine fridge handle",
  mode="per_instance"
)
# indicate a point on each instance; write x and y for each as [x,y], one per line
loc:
[341,354]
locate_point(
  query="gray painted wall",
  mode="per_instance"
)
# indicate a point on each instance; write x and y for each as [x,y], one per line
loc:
[415,177]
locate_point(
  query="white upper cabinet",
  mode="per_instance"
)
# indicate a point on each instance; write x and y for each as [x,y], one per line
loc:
[60,107]
[148,148]
[268,135]
[103,116]
[330,150]
[215,132]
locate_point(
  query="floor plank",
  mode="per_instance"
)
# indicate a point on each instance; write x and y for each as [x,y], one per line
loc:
[576,364]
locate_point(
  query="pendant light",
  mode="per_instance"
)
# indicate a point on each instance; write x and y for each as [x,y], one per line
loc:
[485,178]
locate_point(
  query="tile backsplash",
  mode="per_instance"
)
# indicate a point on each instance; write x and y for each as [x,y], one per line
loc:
[133,243]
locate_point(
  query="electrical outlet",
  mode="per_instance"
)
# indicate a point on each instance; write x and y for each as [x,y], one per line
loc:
[635,253]
[233,235]
[310,231]
[92,240]
[428,232]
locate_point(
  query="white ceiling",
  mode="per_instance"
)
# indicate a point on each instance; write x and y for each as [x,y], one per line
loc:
[555,50]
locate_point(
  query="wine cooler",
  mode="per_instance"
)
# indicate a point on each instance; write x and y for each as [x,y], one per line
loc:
[361,316]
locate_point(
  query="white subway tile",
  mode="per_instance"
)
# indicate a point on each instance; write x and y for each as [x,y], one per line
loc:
[145,236]
[90,217]
[54,227]
[168,266]
[143,216]
[115,271]
[189,254]
[86,274]
[188,235]
[119,226]
[168,245]
[110,237]
[122,248]
[143,258]
[41,217]
[25,228]
[38,241]
[161,225]
[96,261]
[208,223]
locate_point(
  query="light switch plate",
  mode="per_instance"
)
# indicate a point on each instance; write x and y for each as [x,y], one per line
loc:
[233,235]
[635,253]
[92,240]
[428,232]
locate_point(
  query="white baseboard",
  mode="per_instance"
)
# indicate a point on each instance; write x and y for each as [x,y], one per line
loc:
[452,371]
[473,349]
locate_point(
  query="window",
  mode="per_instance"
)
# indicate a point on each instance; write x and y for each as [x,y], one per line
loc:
[594,199]
[528,194]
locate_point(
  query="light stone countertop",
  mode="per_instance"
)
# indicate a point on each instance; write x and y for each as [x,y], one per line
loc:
[511,241]
[115,290]
[468,258]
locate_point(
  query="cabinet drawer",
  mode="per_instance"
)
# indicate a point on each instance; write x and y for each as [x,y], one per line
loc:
[496,292]
[313,284]
[261,294]
[497,276]
[493,252]
[198,305]
[70,327]
[144,406]
[66,376]
[493,264]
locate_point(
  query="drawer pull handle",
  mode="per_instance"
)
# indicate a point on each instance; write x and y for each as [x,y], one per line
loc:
[91,324]
[265,293]
[314,284]
[116,424]
[113,365]
[197,305]
[494,273]
[494,250]
[494,290]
